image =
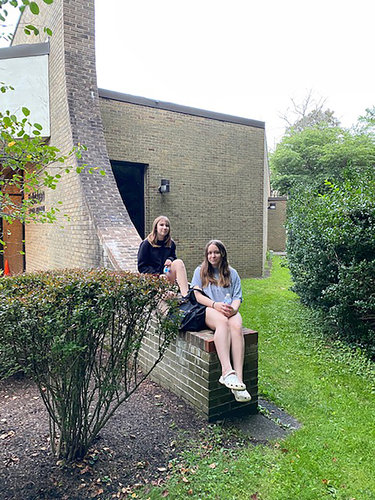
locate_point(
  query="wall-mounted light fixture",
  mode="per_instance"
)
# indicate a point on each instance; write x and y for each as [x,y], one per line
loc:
[272,206]
[164,186]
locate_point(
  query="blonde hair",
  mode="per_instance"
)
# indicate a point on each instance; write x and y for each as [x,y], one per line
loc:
[208,271]
[153,236]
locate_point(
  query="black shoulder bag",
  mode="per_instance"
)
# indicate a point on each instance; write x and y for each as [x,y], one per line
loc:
[193,313]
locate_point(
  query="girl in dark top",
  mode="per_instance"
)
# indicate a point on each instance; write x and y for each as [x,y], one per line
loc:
[158,251]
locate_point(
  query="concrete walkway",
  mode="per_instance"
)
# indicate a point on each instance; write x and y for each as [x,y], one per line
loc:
[271,423]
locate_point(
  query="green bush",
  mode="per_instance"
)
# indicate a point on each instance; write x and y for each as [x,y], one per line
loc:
[78,334]
[331,253]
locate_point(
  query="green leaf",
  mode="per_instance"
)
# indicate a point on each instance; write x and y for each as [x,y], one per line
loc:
[34,8]
[31,27]
[25,111]
[48,2]
[38,126]
[48,31]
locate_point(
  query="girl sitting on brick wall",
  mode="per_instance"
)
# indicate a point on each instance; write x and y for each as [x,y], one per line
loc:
[223,286]
[157,255]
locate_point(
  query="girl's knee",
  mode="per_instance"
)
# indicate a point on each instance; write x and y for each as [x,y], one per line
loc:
[178,263]
[236,327]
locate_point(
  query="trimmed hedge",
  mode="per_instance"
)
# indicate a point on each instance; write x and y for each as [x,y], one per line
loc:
[77,333]
[331,253]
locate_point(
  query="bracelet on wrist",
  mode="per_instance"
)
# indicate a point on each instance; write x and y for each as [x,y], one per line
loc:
[213,305]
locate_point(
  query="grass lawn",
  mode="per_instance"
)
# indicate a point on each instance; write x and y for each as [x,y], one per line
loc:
[328,389]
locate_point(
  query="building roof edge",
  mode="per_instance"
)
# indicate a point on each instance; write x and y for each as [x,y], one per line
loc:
[178,108]
[25,50]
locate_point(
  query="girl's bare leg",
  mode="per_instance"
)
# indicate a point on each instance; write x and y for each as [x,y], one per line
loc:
[178,273]
[237,344]
[219,323]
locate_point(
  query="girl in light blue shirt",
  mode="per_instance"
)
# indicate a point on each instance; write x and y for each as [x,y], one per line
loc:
[218,280]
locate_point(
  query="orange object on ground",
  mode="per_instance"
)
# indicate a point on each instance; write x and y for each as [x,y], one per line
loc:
[6,268]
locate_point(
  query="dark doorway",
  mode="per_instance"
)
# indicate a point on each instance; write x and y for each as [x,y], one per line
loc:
[130,182]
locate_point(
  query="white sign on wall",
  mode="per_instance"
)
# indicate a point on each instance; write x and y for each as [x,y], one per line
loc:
[28,75]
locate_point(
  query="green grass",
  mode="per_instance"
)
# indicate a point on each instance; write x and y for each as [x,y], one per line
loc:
[329,389]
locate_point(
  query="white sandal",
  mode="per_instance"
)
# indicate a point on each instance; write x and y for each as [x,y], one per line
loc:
[241,396]
[231,381]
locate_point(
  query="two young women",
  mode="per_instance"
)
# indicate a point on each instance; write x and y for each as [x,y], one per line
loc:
[216,278]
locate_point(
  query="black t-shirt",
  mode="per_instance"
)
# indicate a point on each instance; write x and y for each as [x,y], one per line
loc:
[151,259]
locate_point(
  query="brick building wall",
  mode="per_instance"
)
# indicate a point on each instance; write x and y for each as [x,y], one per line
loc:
[216,166]
[276,224]
[99,231]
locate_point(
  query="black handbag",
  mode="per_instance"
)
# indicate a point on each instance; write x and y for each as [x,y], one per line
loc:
[193,314]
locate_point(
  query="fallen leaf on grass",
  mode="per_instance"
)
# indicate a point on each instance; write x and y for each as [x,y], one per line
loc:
[212,466]
[11,460]
[7,435]
[190,492]
[165,493]
[185,479]
[162,469]
[97,493]
[254,496]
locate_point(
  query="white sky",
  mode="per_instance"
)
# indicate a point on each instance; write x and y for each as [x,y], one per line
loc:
[241,57]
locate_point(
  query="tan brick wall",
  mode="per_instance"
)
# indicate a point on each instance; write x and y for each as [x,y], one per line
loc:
[276,225]
[191,369]
[99,231]
[216,171]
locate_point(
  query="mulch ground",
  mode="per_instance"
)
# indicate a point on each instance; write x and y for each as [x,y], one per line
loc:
[134,448]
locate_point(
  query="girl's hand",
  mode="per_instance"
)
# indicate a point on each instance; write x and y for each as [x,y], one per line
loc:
[232,311]
[168,263]
[225,309]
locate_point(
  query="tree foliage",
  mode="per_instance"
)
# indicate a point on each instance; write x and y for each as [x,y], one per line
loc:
[310,113]
[21,5]
[28,164]
[315,154]
[78,334]
[331,252]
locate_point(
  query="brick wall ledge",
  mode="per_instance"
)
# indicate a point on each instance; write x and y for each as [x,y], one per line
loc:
[191,369]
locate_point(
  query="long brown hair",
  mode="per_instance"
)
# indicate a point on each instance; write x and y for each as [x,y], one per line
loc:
[153,236]
[207,270]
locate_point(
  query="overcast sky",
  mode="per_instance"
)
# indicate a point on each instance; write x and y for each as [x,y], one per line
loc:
[240,57]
